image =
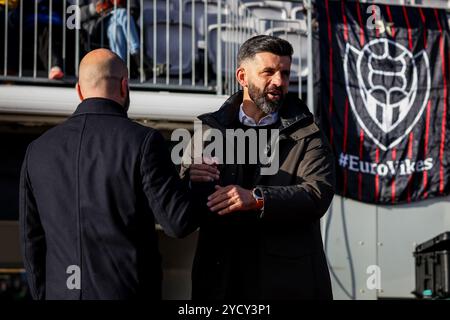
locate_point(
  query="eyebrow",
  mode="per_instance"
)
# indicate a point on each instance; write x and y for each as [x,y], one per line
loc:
[268,69]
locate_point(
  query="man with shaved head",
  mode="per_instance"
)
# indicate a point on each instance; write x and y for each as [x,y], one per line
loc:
[103,75]
[90,191]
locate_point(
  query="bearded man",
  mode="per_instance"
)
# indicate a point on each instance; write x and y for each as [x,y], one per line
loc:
[260,233]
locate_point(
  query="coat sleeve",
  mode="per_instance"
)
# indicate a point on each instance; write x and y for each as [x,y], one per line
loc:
[32,235]
[310,198]
[168,196]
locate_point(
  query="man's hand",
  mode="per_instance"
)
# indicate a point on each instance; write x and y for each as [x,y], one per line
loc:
[231,198]
[205,172]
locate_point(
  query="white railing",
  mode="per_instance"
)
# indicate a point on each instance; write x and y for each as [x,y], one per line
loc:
[184,45]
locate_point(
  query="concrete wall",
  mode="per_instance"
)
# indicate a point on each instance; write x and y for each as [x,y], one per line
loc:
[358,235]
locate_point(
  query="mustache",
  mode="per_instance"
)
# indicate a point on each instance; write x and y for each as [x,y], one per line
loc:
[273,90]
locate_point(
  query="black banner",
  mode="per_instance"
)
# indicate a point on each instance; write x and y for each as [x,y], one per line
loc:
[383,99]
[384,87]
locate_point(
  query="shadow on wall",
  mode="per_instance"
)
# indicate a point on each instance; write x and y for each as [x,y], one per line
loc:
[177,257]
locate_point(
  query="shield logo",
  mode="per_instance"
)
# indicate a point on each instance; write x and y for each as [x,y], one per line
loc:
[388,89]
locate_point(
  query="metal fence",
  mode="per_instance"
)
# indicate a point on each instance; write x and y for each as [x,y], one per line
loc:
[182,45]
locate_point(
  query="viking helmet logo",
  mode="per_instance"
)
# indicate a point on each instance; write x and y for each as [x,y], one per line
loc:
[384,76]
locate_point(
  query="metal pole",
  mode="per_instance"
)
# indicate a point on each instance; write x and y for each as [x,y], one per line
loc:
[77,46]
[300,85]
[115,22]
[227,56]
[21,39]
[206,44]
[5,71]
[50,36]
[35,40]
[310,58]
[154,41]
[219,49]
[141,42]
[128,37]
[167,41]
[193,42]
[102,37]
[64,37]
[233,39]
[180,42]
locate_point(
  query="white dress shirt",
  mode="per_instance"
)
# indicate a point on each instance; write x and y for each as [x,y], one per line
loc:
[249,121]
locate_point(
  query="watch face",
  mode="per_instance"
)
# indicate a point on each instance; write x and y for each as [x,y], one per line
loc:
[257,193]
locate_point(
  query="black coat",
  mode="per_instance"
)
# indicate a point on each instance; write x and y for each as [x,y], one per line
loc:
[277,253]
[90,188]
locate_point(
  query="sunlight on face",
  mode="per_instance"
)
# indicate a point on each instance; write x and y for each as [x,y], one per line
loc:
[268,80]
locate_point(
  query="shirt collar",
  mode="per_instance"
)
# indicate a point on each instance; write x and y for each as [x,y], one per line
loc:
[100,106]
[264,121]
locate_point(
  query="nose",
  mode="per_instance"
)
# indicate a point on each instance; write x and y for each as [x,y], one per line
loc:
[277,79]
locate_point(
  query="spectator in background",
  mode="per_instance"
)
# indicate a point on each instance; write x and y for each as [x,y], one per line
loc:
[12,4]
[117,26]
[114,14]
[55,72]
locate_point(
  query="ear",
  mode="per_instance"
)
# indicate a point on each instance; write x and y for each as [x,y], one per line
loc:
[241,76]
[123,87]
[78,88]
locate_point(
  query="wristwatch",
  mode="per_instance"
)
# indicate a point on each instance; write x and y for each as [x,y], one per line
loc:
[258,195]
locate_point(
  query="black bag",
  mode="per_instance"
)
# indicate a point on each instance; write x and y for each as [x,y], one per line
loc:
[433,268]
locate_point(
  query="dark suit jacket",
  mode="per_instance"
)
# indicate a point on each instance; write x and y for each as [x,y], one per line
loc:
[90,188]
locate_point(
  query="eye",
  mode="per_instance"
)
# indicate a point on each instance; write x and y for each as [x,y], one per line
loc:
[267,72]
[286,74]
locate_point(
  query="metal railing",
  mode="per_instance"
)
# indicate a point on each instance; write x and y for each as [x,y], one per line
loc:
[183,45]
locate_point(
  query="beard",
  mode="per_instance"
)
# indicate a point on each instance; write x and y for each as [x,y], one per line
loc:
[261,99]
[126,104]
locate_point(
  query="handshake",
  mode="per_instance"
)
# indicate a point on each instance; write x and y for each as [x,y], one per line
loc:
[226,199]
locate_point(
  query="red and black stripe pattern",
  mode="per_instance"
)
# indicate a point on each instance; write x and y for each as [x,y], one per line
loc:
[383,99]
